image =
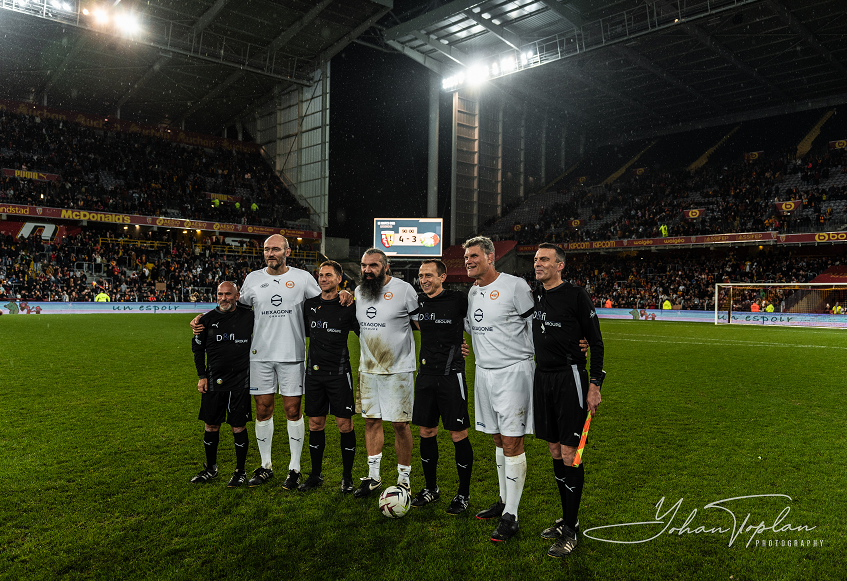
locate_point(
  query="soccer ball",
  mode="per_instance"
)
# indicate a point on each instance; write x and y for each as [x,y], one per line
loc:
[394,502]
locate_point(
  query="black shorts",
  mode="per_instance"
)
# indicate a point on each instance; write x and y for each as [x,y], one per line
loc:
[559,405]
[329,394]
[444,396]
[232,407]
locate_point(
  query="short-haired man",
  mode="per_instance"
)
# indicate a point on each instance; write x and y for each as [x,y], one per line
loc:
[563,392]
[499,309]
[329,387]
[222,358]
[384,305]
[440,389]
[277,358]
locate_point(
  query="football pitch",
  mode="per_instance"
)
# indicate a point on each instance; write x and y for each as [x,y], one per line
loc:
[99,439]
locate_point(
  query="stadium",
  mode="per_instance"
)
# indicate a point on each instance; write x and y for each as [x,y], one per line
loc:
[688,157]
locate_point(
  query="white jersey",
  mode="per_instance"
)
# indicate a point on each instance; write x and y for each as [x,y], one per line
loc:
[279,333]
[501,336]
[387,343]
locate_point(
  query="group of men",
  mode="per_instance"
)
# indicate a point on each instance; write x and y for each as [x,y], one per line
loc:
[530,373]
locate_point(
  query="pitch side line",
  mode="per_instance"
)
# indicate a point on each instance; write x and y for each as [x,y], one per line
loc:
[641,339]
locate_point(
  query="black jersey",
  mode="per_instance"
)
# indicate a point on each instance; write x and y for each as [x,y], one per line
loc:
[442,322]
[563,316]
[328,325]
[222,350]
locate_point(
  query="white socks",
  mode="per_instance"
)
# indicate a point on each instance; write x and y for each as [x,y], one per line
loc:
[515,478]
[373,466]
[264,439]
[403,474]
[296,436]
[501,472]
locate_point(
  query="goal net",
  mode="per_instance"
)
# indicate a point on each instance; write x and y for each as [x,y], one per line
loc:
[805,305]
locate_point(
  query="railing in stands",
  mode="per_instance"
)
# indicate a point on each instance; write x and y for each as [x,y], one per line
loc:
[146,244]
[307,256]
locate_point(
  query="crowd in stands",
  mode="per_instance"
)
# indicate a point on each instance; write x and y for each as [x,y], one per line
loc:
[134,174]
[154,267]
[687,281]
[738,197]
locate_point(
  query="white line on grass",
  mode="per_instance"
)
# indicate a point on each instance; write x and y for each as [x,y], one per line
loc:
[666,339]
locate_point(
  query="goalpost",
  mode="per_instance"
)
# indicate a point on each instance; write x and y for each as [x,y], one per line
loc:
[808,304]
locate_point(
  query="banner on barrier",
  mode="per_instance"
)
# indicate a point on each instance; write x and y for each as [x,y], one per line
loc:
[130,219]
[39,176]
[637,243]
[56,308]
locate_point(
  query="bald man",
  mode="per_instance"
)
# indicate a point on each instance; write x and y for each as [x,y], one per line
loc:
[222,358]
[277,293]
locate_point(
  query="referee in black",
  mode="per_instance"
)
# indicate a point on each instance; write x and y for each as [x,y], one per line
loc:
[440,389]
[562,391]
[222,358]
[329,386]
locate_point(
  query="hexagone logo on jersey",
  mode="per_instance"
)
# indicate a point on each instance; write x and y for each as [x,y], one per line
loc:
[276,300]
[477,315]
[371,312]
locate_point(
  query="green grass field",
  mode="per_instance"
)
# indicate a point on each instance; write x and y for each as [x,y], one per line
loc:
[99,438]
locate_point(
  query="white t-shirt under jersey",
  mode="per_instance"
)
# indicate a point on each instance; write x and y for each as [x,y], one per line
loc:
[277,301]
[387,343]
[501,337]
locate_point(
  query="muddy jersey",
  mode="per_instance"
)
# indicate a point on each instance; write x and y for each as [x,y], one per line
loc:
[499,322]
[386,340]
[278,331]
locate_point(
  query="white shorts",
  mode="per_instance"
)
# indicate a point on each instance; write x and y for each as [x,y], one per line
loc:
[267,376]
[389,397]
[503,399]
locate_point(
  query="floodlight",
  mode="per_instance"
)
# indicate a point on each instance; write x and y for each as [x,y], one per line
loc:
[55,4]
[508,64]
[85,11]
[128,23]
[67,6]
[100,16]
[477,74]
[495,70]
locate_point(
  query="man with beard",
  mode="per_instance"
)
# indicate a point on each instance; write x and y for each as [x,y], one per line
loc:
[277,294]
[222,359]
[384,305]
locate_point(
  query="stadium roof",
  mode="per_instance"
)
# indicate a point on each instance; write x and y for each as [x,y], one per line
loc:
[204,62]
[627,68]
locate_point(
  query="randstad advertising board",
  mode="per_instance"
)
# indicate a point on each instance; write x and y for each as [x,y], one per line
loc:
[409,237]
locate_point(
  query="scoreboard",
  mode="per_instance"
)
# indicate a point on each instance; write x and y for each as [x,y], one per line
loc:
[409,237]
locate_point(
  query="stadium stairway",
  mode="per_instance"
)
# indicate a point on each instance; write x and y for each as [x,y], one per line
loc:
[806,144]
[611,179]
[701,161]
